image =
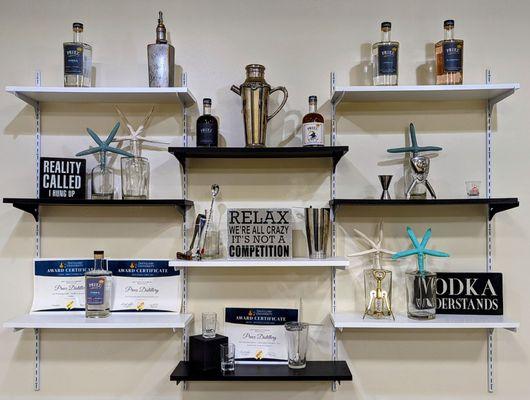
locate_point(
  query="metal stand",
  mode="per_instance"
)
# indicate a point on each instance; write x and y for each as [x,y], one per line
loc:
[333,183]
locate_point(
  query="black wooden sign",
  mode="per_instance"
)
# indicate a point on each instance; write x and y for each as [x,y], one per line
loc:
[469,293]
[62,178]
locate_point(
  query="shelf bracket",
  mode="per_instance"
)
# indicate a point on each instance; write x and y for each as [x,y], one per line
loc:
[496,208]
[500,97]
[33,209]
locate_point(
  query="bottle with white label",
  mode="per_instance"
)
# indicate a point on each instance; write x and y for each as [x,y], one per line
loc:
[313,125]
[98,288]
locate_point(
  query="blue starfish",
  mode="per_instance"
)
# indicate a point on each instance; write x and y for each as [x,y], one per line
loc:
[104,146]
[419,249]
[414,149]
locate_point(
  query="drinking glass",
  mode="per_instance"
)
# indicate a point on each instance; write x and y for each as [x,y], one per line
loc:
[209,322]
[421,294]
[134,178]
[297,344]
[473,188]
[228,357]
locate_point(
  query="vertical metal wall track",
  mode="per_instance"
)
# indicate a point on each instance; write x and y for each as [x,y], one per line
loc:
[333,227]
[36,379]
[184,271]
[489,232]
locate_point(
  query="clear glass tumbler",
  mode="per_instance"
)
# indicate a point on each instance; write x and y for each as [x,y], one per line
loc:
[209,323]
[228,357]
[421,294]
[297,339]
[102,183]
[473,188]
[134,178]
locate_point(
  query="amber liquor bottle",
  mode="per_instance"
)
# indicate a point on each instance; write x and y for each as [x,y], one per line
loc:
[207,127]
[449,57]
[313,126]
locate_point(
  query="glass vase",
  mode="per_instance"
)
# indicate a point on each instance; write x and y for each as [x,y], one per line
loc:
[102,183]
[378,293]
[211,242]
[134,178]
[421,294]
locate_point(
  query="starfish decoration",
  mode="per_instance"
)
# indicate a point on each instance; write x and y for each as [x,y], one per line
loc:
[419,249]
[134,134]
[375,246]
[414,149]
[104,146]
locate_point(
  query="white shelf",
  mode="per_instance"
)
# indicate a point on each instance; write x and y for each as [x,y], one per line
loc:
[338,262]
[492,92]
[442,321]
[32,94]
[77,320]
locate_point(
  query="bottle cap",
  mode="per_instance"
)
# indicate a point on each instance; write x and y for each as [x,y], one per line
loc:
[77,25]
[312,99]
[99,254]
[386,24]
[449,22]
[207,101]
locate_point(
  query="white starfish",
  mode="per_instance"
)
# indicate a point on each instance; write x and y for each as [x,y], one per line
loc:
[375,246]
[134,137]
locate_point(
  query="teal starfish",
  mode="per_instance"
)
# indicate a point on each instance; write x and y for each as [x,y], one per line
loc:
[419,249]
[414,149]
[104,146]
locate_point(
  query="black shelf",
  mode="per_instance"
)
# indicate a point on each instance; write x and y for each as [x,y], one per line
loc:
[32,205]
[333,152]
[314,371]
[494,205]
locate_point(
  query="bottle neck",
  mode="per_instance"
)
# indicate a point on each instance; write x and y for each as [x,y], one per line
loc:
[78,36]
[449,33]
[313,107]
[100,263]
[385,35]
[206,109]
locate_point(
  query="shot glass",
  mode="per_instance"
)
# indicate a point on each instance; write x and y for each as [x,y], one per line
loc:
[473,188]
[228,357]
[209,322]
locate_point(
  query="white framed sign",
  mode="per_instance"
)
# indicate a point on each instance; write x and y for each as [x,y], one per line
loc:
[259,334]
[259,233]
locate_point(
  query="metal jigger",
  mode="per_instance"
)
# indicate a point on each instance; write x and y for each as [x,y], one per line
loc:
[385,183]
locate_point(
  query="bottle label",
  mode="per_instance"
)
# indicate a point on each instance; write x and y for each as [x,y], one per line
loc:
[95,291]
[388,59]
[73,59]
[313,134]
[207,134]
[452,56]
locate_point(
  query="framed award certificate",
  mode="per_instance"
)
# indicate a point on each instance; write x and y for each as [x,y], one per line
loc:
[259,333]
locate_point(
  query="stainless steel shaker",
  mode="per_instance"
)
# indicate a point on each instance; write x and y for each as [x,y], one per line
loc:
[317,224]
[255,92]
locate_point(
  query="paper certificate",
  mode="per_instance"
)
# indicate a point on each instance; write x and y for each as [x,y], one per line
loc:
[259,333]
[145,285]
[59,285]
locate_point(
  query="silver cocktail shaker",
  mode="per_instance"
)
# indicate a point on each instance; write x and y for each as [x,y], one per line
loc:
[317,222]
[161,58]
[255,93]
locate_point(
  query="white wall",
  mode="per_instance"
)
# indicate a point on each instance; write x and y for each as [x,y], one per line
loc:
[300,43]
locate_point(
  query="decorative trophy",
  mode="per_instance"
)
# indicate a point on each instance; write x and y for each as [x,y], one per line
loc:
[255,92]
[377,280]
[416,174]
[421,284]
[102,175]
[135,168]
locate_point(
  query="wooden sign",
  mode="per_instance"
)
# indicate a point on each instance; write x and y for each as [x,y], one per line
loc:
[259,233]
[62,178]
[469,293]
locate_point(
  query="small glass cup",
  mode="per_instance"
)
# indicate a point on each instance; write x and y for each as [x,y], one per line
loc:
[228,357]
[209,322]
[473,188]
[297,337]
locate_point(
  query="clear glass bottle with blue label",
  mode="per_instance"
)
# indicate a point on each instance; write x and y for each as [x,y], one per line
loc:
[77,60]
[385,57]
[449,57]
[98,288]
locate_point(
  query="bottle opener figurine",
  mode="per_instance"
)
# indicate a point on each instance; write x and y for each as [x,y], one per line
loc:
[377,280]
[418,167]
